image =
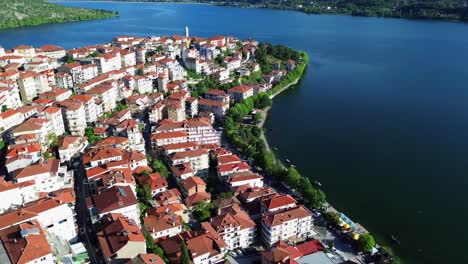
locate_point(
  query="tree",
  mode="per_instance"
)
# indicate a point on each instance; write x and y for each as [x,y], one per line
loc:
[4,108]
[366,242]
[53,139]
[158,166]
[185,258]
[89,133]
[257,117]
[2,144]
[202,211]
[332,217]
[225,195]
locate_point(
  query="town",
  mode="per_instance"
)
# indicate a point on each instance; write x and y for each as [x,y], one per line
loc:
[142,150]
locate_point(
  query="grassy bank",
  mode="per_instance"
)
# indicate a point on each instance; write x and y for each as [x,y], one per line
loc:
[21,13]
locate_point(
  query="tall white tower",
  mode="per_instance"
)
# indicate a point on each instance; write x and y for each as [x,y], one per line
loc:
[186,32]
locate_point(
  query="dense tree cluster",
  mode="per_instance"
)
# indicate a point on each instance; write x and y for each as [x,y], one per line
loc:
[20,13]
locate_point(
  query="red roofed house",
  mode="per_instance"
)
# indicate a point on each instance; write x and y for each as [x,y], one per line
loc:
[47,174]
[117,199]
[241,92]
[56,216]
[235,227]
[218,108]
[25,243]
[193,185]
[281,253]
[277,202]
[119,238]
[225,170]
[70,147]
[164,224]
[198,160]
[245,178]
[207,246]
[16,194]
[20,156]
[294,224]
[156,183]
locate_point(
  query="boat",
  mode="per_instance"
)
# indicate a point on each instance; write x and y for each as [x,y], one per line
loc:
[288,161]
[293,166]
[317,183]
[395,239]
[275,148]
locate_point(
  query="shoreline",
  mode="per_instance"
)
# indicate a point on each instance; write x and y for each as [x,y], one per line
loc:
[329,207]
[317,12]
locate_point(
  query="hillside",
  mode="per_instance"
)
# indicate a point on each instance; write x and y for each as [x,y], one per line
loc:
[18,13]
[421,9]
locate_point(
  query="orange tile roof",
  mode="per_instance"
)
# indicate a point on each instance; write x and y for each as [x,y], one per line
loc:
[278,218]
[25,249]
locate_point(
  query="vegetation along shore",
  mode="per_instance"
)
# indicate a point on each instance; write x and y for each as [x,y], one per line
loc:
[431,9]
[21,13]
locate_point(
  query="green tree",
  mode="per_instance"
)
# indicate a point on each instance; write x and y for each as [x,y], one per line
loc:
[202,211]
[332,217]
[89,133]
[2,144]
[4,108]
[225,195]
[185,258]
[257,117]
[366,242]
[53,139]
[158,166]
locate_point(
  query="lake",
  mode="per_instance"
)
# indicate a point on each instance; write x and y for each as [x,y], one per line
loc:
[380,118]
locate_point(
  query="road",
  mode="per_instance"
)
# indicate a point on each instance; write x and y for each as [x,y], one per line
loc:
[87,232]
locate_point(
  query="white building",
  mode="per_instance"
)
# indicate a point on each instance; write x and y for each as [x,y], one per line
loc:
[293,224]
[47,175]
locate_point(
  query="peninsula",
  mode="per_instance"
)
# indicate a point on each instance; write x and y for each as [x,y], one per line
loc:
[20,13]
[151,149]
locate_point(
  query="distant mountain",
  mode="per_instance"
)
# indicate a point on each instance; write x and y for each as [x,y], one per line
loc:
[18,13]
[422,9]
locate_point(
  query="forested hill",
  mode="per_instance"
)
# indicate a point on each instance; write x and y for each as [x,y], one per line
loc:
[18,13]
[424,9]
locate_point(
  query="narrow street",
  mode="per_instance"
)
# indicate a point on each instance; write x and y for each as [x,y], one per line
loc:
[87,233]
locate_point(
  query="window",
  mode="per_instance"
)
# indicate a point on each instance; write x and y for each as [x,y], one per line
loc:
[63,221]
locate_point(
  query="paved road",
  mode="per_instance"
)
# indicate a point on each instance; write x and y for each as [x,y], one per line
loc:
[87,232]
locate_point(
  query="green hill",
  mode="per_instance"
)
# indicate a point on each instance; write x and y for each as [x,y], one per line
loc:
[19,13]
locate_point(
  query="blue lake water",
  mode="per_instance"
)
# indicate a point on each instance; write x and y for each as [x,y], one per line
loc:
[380,118]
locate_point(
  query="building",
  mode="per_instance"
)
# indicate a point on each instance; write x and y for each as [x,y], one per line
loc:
[198,160]
[54,114]
[218,108]
[245,178]
[35,129]
[53,215]
[25,243]
[117,199]
[47,175]
[164,224]
[14,195]
[293,224]
[217,95]
[241,92]
[193,185]
[119,238]
[207,247]
[235,227]
[70,147]
[75,116]
[20,156]
[155,182]
[31,84]
[90,106]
